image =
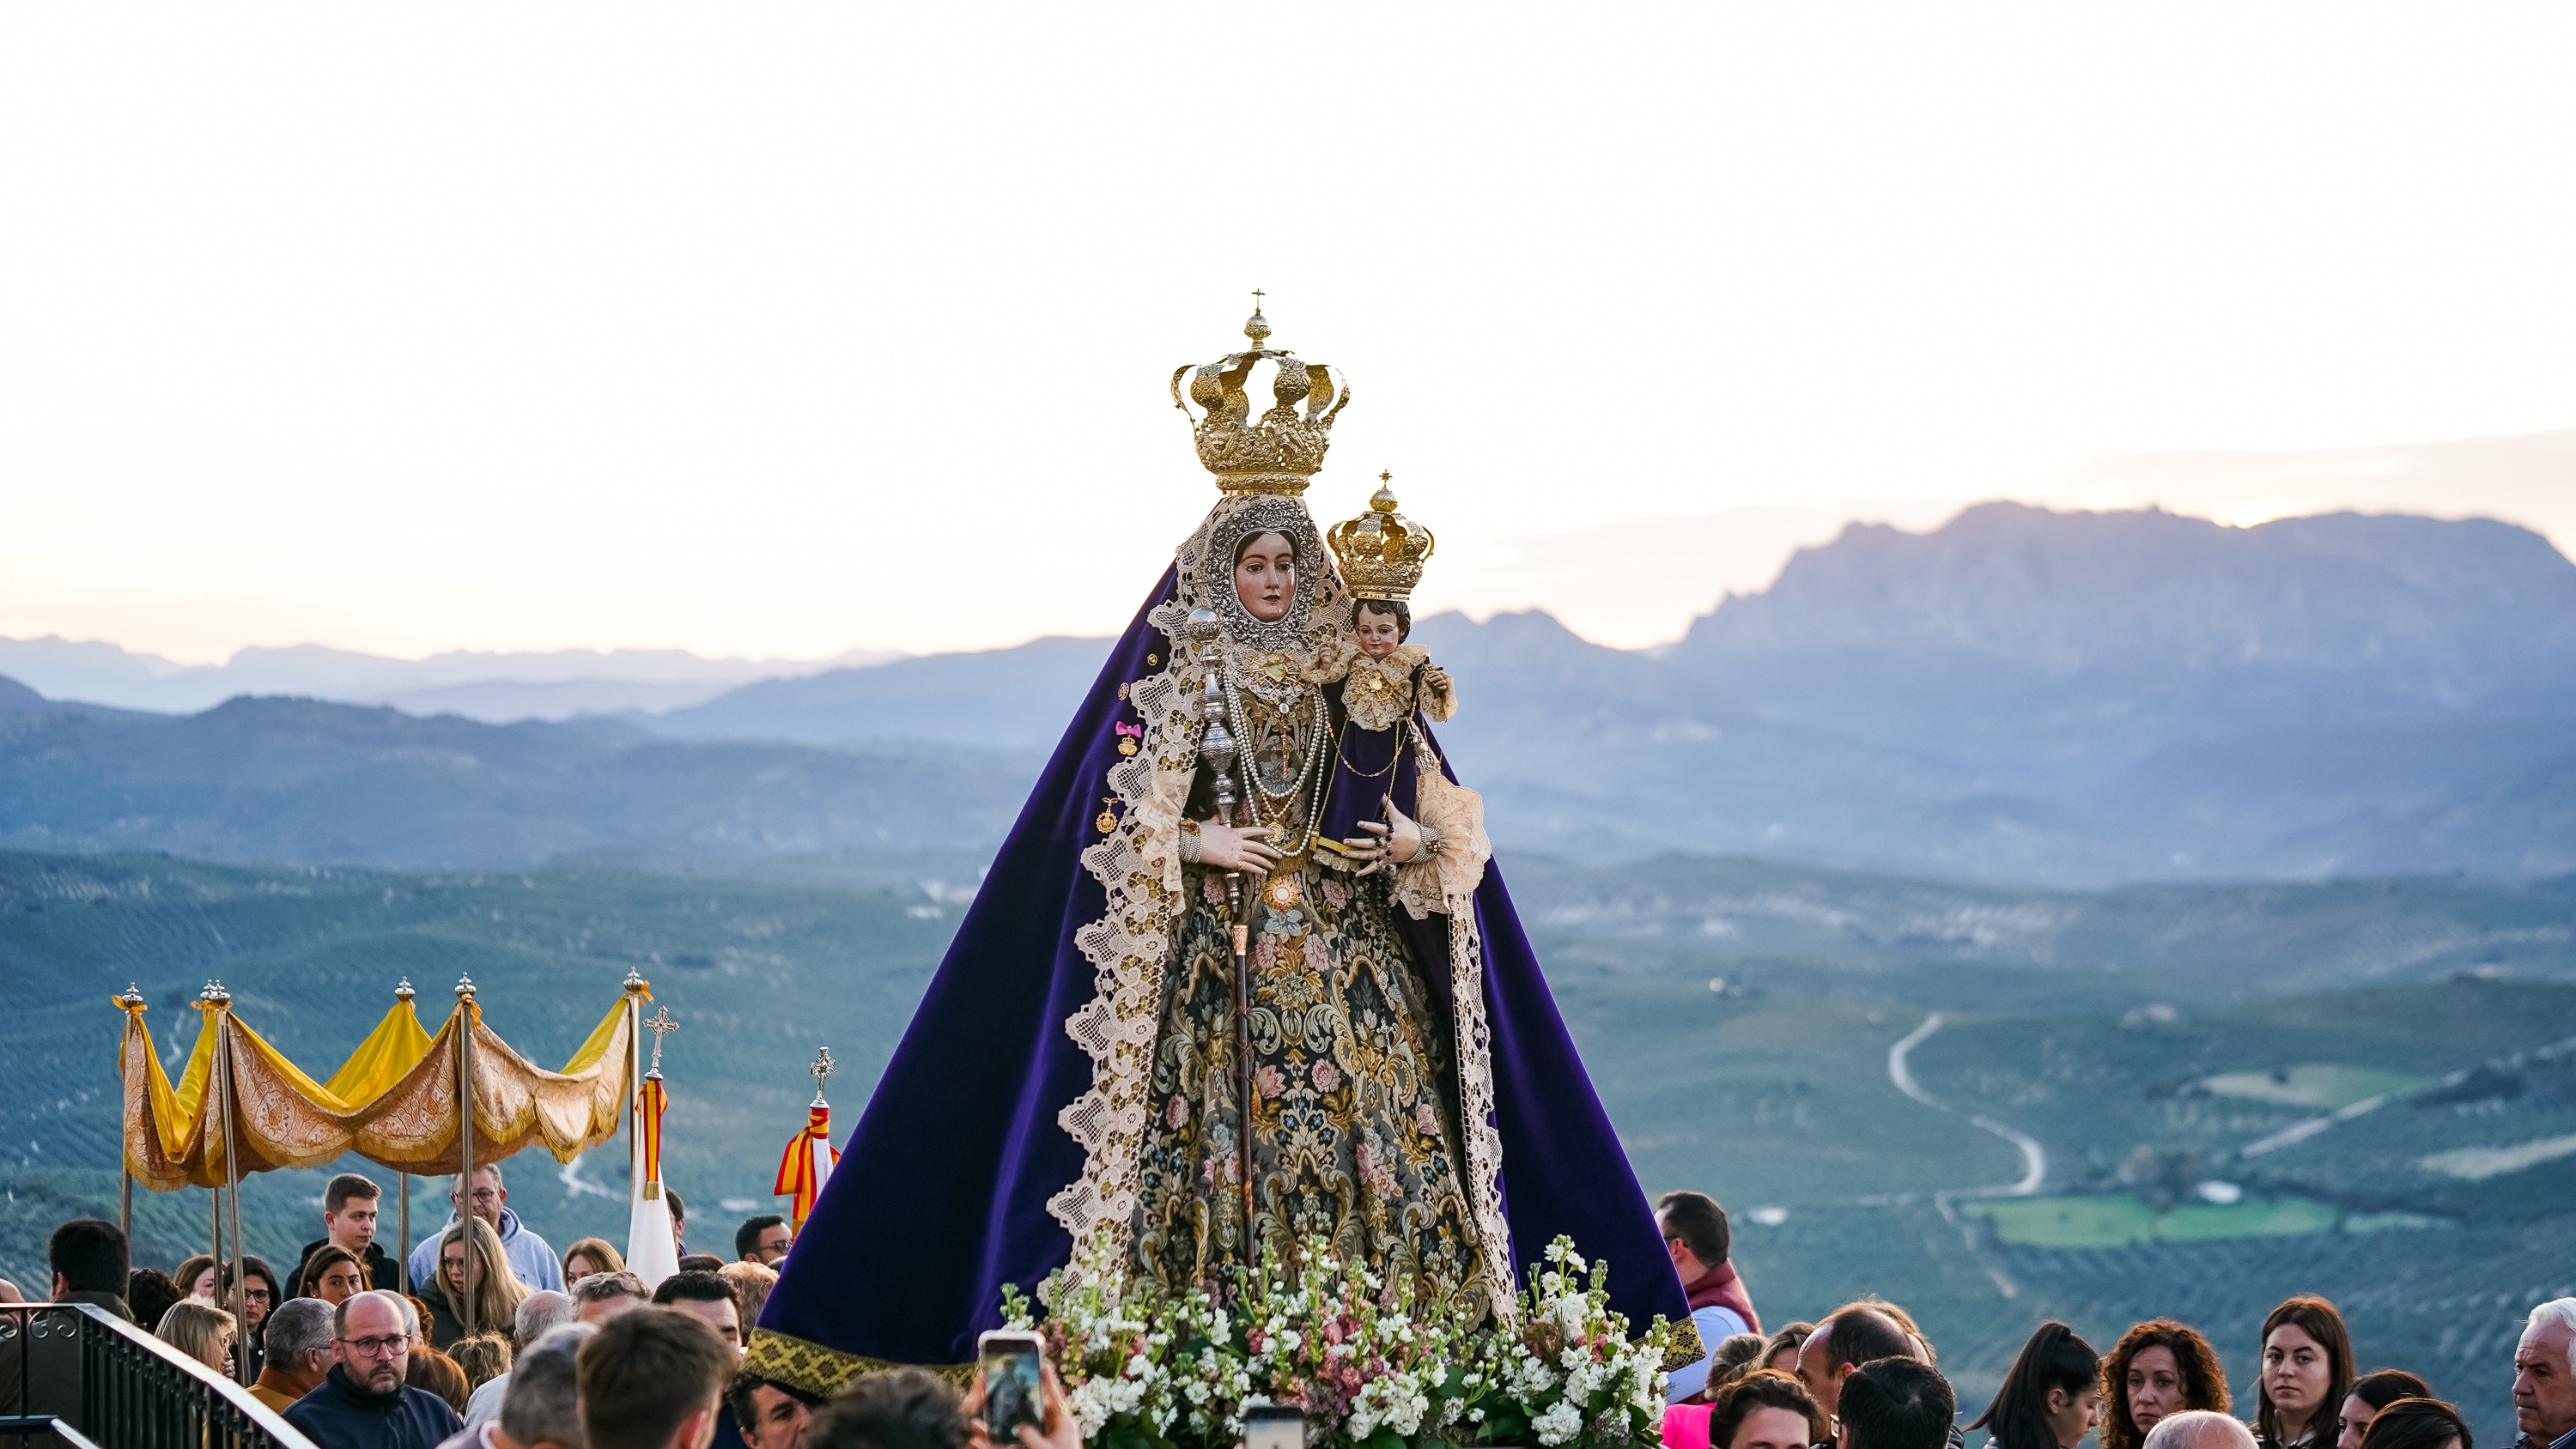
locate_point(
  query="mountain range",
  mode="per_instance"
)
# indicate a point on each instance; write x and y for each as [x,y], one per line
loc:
[2069,698]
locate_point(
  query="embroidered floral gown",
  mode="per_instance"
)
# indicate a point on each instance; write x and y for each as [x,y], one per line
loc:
[1355,1114]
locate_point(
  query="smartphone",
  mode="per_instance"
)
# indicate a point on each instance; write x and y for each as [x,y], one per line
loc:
[1274,1426]
[1014,1385]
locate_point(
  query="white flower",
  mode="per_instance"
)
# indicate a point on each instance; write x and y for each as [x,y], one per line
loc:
[1572,1310]
[1558,1424]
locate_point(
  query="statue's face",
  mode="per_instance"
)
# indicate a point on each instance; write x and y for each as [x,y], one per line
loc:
[1378,633]
[1265,577]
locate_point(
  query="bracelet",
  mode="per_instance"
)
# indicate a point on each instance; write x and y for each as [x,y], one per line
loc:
[1191,845]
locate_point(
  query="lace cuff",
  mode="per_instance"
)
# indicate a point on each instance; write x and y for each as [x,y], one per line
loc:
[1442,880]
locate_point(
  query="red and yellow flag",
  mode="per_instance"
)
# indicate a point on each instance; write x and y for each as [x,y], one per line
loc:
[656,1102]
[807,1164]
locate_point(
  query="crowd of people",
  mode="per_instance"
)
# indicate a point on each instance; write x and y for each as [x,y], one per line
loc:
[1865,1377]
[573,1352]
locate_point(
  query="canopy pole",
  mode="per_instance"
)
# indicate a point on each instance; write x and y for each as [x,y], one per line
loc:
[232,1193]
[465,1134]
[402,1239]
[125,1199]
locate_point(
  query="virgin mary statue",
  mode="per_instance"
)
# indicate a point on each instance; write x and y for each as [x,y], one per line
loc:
[1076,1072]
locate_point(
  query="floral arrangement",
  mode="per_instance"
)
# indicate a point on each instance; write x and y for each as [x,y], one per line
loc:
[1143,1369]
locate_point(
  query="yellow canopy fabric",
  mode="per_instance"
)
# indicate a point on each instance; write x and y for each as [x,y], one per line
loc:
[394,1102]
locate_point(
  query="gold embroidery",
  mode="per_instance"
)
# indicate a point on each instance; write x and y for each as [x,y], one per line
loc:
[809,1366]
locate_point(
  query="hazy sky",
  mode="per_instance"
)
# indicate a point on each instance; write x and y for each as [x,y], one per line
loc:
[782,329]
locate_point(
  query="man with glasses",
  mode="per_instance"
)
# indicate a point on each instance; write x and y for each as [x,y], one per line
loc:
[363,1403]
[534,1261]
[763,1240]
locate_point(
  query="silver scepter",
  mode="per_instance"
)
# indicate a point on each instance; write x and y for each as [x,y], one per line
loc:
[1218,748]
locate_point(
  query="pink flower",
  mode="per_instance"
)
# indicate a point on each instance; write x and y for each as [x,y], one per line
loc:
[1178,1112]
[1268,1082]
[1334,892]
[1326,1078]
[1265,952]
[1214,890]
[1318,957]
[1424,1117]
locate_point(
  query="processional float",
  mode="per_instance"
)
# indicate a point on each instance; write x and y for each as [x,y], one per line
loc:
[240,1107]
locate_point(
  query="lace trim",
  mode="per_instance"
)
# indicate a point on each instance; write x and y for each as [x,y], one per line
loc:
[1138,860]
[1444,881]
[809,1367]
[1483,1141]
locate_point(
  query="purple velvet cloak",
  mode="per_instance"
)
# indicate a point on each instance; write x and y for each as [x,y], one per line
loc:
[941,1194]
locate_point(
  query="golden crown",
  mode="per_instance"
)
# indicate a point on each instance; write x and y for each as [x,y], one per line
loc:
[1279,453]
[1381,551]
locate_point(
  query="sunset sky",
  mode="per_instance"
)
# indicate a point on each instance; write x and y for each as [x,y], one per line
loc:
[785,330]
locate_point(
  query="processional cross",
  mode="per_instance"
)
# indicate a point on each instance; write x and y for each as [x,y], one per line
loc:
[661,1025]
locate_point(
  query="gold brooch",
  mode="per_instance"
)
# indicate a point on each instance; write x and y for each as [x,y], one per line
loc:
[1106,820]
[1126,745]
[1282,892]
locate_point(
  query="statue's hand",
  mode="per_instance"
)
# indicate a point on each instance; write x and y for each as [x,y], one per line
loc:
[1226,848]
[1434,678]
[1387,845]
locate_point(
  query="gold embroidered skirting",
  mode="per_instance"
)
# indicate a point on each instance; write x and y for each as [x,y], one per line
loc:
[809,1367]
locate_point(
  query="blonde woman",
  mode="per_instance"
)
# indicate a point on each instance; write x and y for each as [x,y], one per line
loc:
[497,1290]
[200,1330]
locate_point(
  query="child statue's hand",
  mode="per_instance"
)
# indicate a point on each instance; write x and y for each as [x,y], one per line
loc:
[1386,845]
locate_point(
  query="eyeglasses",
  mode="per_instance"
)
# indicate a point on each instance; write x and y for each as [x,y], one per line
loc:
[385,1347]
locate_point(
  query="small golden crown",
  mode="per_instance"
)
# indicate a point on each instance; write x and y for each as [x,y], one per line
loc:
[1279,453]
[1381,551]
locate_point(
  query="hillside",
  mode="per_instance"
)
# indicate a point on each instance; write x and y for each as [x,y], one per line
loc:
[2020,696]
[292,780]
[2078,1017]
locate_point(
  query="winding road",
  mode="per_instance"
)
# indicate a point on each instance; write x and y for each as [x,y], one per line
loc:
[2034,1158]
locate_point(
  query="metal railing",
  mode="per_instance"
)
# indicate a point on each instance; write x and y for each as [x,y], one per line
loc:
[77,1375]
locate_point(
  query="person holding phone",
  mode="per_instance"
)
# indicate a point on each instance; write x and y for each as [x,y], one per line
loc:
[918,1410]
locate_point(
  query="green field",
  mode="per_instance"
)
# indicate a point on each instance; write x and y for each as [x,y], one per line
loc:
[2324,1086]
[2120,1219]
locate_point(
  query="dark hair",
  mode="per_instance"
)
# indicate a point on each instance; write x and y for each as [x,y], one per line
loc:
[149,1294]
[643,1373]
[701,1263]
[255,1266]
[90,1255]
[1862,1333]
[319,1262]
[696,1286]
[1762,1389]
[1896,1403]
[2204,1378]
[679,1209]
[2318,1319]
[2380,1388]
[1403,613]
[1249,539]
[1696,1219]
[2054,1358]
[746,1403]
[2417,1423]
[905,1409]
[346,1186]
[746,1239]
[435,1371]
